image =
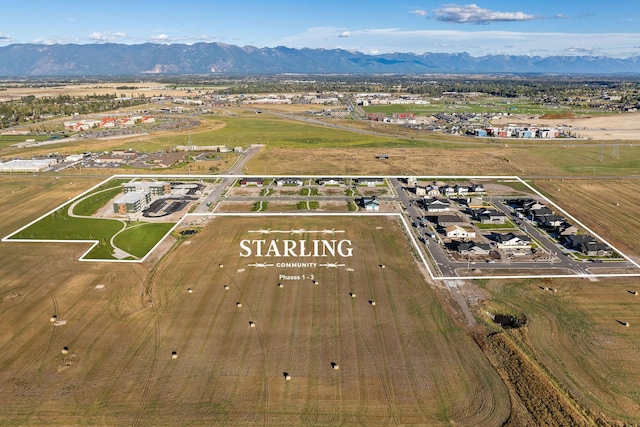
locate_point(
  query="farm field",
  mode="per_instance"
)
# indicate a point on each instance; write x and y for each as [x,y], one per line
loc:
[401,361]
[577,334]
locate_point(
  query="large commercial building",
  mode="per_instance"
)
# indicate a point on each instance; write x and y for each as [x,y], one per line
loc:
[28,166]
[131,202]
[155,188]
[138,194]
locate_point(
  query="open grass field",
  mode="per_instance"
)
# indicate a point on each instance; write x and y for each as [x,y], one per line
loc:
[401,361]
[577,335]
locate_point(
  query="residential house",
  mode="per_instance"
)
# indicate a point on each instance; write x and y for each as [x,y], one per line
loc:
[447,220]
[531,204]
[594,249]
[448,191]
[573,241]
[472,248]
[567,229]
[477,188]
[432,191]
[297,182]
[552,221]
[257,182]
[461,190]
[510,241]
[455,231]
[331,181]
[420,190]
[436,205]
[539,214]
[370,182]
[489,216]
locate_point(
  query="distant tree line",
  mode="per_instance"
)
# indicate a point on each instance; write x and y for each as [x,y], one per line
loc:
[30,109]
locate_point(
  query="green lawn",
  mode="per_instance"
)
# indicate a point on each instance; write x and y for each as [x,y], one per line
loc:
[91,204]
[610,159]
[280,132]
[8,140]
[59,225]
[140,238]
[469,106]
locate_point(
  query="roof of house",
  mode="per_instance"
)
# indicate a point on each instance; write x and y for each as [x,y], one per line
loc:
[507,237]
[449,218]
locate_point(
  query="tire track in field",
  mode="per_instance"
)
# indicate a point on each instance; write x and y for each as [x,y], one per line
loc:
[41,353]
[265,376]
[310,410]
[409,368]
[146,390]
[417,382]
[386,384]
[384,374]
[340,416]
[17,413]
[311,414]
[211,380]
[56,313]
[239,417]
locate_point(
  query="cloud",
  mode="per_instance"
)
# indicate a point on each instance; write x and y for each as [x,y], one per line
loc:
[344,34]
[580,51]
[164,38]
[107,36]
[419,12]
[56,40]
[474,14]
[160,38]
[4,37]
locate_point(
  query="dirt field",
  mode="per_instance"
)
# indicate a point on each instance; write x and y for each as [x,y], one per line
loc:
[622,126]
[409,161]
[401,361]
[578,336]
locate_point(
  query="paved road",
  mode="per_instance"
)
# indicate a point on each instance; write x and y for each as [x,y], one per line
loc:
[557,259]
[217,193]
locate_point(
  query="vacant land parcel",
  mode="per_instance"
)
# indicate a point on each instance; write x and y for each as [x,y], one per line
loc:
[361,344]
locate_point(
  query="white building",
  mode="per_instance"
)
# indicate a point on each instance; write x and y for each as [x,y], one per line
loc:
[28,166]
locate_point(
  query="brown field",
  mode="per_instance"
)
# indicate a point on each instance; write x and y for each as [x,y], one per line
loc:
[576,336]
[402,361]
[362,161]
[606,127]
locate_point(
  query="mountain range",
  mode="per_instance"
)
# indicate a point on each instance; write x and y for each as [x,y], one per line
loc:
[110,59]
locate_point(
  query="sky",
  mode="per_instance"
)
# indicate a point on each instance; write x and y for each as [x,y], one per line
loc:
[484,27]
